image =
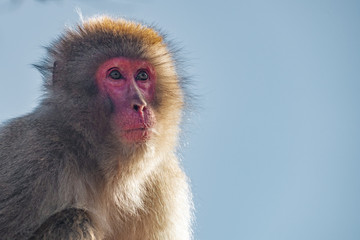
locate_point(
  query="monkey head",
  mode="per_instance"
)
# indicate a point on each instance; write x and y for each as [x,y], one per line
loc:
[116,77]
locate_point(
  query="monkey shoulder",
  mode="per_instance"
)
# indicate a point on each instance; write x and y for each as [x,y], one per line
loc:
[37,139]
[27,140]
[32,160]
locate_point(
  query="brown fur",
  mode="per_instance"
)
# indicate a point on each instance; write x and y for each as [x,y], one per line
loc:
[64,174]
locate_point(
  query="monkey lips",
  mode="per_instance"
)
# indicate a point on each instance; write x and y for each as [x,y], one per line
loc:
[136,135]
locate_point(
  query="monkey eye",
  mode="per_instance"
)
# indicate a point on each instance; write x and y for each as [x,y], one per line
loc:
[142,76]
[115,74]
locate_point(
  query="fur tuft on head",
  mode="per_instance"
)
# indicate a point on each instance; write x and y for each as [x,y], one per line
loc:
[121,27]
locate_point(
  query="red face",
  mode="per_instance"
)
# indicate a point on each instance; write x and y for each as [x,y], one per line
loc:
[130,84]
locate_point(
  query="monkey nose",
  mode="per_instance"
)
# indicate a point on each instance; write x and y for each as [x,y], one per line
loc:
[138,103]
[139,107]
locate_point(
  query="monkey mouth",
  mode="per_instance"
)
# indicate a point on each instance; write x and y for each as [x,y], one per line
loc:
[136,135]
[142,129]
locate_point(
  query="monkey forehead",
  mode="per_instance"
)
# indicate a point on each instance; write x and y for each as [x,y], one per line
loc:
[125,65]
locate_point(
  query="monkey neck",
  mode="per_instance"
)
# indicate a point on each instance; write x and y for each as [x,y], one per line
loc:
[123,191]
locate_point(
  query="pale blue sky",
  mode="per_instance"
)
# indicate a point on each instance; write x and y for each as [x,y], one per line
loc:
[273,148]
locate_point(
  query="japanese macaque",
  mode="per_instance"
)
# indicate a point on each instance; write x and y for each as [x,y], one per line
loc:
[97,158]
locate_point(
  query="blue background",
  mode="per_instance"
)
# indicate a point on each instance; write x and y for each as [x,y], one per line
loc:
[273,146]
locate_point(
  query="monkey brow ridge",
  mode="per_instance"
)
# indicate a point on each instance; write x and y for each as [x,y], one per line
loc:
[121,27]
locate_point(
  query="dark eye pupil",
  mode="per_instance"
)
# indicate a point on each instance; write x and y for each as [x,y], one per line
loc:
[142,76]
[115,74]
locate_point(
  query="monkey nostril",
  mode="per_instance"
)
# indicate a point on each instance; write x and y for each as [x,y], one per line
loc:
[138,108]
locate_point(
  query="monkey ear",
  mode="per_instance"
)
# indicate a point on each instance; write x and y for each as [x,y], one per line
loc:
[55,71]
